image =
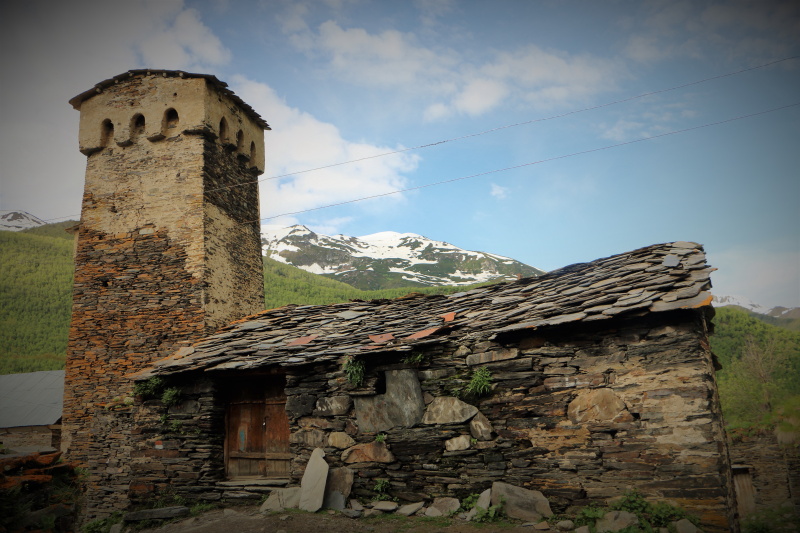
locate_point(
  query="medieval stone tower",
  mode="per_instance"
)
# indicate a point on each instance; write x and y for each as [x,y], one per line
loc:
[168,246]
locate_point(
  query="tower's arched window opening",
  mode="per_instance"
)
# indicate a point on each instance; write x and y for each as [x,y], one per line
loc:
[223,131]
[137,125]
[106,132]
[252,153]
[240,141]
[170,122]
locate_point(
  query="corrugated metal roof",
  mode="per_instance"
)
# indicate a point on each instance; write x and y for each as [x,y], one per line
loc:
[31,399]
[658,278]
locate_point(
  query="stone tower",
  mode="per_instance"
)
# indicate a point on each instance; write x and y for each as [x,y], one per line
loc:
[168,247]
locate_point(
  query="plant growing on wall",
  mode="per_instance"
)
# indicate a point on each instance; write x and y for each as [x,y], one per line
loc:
[171,396]
[415,358]
[150,388]
[354,370]
[480,384]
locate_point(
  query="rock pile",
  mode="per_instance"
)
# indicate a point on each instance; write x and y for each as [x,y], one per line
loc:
[328,488]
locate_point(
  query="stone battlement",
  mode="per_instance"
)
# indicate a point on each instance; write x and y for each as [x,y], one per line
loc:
[156,105]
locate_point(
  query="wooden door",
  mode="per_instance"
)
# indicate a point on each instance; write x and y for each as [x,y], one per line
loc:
[257,429]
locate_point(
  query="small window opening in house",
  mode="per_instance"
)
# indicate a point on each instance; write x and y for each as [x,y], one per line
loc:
[137,125]
[223,131]
[106,132]
[252,153]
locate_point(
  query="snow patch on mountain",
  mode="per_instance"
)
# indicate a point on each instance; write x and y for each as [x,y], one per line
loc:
[387,258]
[18,221]
[749,305]
[741,301]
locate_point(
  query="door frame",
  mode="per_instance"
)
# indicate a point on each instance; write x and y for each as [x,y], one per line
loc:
[236,387]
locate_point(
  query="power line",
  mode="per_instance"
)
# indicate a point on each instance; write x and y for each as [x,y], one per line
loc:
[484,132]
[507,126]
[565,156]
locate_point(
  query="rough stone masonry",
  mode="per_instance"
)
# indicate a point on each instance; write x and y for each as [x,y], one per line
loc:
[594,379]
[168,247]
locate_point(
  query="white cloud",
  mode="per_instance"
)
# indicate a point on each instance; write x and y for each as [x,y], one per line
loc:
[388,59]
[331,226]
[547,78]
[184,43]
[449,81]
[300,142]
[480,95]
[499,192]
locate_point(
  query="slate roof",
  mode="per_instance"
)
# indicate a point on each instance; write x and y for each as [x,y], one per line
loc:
[31,399]
[654,279]
[221,86]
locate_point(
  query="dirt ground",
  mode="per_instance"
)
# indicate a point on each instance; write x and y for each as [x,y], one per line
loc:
[249,520]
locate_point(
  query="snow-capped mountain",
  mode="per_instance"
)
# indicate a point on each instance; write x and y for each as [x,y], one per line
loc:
[387,259]
[749,305]
[18,221]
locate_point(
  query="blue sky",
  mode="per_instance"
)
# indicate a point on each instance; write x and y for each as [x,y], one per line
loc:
[346,79]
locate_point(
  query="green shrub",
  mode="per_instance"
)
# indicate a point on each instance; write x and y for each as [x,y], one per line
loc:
[589,515]
[171,396]
[354,371]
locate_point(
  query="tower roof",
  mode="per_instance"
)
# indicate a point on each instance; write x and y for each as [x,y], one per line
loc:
[221,86]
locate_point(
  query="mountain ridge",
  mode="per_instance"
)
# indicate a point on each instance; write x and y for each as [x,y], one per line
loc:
[18,221]
[388,259]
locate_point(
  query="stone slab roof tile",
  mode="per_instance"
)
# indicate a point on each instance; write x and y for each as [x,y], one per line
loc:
[654,279]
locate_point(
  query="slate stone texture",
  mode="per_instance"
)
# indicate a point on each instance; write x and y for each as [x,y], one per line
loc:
[602,380]
[167,251]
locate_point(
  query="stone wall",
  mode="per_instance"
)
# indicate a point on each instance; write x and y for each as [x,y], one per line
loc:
[579,414]
[167,251]
[31,437]
[772,468]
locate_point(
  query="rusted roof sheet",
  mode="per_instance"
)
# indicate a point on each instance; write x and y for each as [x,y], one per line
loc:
[657,278]
[220,85]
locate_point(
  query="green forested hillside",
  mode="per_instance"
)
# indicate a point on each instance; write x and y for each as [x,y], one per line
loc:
[759,383]
[35,300]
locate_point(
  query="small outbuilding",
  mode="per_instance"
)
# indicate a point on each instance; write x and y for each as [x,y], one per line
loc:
[30,411]
[583,383]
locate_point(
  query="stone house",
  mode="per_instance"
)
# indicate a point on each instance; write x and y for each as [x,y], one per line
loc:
[581,383]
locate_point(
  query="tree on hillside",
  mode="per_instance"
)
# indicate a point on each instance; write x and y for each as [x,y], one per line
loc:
[757,382]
